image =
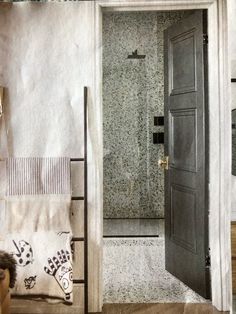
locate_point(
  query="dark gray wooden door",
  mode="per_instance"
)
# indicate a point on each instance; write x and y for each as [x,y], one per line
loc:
[186,214]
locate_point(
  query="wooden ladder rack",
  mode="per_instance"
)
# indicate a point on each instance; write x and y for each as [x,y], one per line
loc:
[85,199]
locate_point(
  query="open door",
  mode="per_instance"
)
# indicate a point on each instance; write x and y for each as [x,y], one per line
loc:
[186,212]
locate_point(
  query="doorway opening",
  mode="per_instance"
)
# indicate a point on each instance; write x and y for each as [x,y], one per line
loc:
[133,137]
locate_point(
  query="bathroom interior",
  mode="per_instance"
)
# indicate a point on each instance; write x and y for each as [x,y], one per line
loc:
[133,137]
[133,105]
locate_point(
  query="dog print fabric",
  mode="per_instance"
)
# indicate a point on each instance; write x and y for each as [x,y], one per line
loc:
[44,263]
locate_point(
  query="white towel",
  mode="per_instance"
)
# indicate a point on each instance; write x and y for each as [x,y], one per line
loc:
[38,213]
[44,263]
[38,194]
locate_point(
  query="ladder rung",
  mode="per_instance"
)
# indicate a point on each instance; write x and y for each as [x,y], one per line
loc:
[78,281]
[77,198]
[77,159]
[78,239]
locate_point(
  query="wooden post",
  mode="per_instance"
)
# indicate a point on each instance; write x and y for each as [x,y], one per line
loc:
[1,100]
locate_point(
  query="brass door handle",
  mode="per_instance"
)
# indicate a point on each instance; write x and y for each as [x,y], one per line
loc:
[164,163]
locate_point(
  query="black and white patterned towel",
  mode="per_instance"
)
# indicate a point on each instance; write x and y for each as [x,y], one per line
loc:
[38,199]
[44,263]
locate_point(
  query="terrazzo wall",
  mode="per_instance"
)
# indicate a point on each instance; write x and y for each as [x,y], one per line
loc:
[133,93]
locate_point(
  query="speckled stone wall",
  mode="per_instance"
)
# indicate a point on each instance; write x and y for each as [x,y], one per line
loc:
[133,93]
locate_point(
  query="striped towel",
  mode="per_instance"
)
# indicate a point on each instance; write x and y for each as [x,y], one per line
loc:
[34,176]
[38,194]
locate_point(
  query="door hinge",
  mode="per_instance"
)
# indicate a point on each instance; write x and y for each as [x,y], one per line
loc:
[208,260]
[205,39]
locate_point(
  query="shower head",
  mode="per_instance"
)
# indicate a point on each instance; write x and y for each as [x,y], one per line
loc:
[135,55]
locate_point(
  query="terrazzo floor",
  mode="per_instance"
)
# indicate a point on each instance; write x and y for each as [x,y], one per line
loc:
[165,308]
[134,272]
[132,227]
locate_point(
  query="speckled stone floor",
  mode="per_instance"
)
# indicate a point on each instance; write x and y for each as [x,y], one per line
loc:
[173,308]
[132,227]
[134,273]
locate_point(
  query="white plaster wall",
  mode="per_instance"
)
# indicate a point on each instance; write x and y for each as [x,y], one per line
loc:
[42,61]
[232,43]
[47,57]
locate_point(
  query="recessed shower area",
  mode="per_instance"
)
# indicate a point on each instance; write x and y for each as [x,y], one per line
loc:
[133,139]
[133,94]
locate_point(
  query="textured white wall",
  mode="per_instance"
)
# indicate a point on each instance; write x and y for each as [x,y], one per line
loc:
[43,55]
[232,42]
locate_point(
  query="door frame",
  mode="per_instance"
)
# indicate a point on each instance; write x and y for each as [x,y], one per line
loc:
[219,187]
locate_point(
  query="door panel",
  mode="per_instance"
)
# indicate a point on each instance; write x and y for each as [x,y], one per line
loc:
[183,208]
[184,44]
[183,126]
[186,214]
